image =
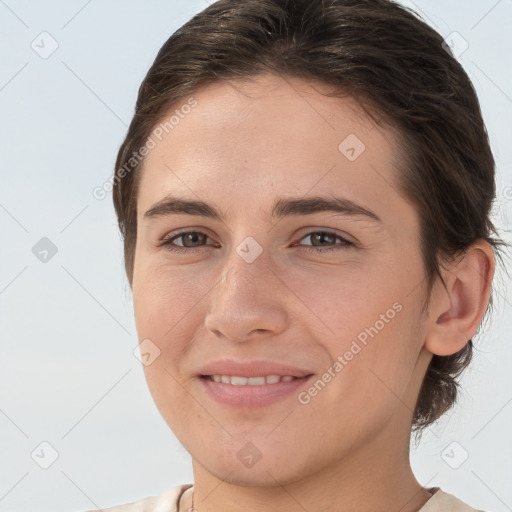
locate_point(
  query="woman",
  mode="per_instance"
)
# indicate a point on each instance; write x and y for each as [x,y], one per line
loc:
[304,195]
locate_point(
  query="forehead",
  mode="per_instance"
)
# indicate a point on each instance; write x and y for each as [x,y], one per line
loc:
[263,106]
[253,137]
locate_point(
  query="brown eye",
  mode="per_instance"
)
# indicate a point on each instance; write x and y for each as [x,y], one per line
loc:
[322,239]
[190,240]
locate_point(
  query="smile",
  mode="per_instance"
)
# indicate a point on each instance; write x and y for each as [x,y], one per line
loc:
[236,380]
[251,392]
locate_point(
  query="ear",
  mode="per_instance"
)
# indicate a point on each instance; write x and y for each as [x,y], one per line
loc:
[455,312]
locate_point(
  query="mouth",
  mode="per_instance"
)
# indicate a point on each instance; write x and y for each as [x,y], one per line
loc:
[252,391]
[236,380]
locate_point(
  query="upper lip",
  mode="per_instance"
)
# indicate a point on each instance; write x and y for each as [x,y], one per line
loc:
[254,368]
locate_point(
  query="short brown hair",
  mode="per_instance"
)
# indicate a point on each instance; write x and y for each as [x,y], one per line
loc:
[400,71]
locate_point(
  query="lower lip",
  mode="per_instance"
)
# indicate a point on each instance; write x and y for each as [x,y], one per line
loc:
[251,396]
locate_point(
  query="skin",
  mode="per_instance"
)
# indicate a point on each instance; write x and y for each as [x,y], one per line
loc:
[242,147]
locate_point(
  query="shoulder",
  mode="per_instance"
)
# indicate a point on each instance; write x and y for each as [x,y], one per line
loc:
[444,502]
[167,502]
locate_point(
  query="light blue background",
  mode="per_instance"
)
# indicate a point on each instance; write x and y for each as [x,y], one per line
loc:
[68,375]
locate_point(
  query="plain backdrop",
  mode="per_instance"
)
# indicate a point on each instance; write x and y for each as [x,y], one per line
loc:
[72,393]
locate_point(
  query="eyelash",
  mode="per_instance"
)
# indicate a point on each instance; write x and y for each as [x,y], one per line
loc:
[168,242]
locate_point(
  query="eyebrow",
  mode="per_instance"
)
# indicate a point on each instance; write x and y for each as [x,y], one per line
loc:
[282,207]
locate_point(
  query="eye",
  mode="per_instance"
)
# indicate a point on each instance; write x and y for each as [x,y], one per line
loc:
[194,238]
[326,237]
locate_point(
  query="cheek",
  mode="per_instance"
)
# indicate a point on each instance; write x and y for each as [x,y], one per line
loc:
[166,313]
[346,301]
[165,299]
[369,323]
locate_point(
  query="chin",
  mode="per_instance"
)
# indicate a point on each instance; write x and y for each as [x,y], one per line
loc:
[272,468]
[270,475]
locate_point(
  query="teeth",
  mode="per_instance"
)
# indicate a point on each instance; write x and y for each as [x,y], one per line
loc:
[236,380]
[253,381]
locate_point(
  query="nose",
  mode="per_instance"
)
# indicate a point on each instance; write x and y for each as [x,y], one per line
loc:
[249,301]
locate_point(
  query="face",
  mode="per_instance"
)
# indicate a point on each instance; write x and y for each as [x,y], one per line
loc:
[298,273]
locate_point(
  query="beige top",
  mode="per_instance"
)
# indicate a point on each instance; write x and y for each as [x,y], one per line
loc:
[168,502]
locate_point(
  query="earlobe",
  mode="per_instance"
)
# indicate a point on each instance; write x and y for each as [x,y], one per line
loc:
[456,310]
